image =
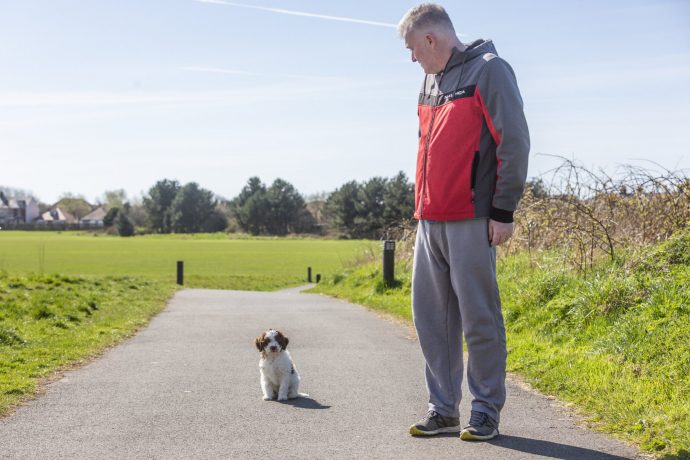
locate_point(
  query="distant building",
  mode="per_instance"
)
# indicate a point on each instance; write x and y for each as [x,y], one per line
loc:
[20,209]
[55,216]
[78,207]
[94,218]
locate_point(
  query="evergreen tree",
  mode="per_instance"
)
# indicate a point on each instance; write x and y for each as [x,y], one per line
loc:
[340,207]
[216,222]
[370,208]
[250,207]
[109,218]
[191,208]
[399,199]
[125,227]
[284,204]
[157,205]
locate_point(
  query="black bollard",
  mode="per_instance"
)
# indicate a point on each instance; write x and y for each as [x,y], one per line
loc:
[318,278]
[309,274]
[180,272]
[388,262]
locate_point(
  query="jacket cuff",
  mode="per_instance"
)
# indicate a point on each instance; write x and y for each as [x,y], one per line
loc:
[501,215]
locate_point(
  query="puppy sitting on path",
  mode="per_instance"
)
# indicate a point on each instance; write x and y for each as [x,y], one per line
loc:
[278,373]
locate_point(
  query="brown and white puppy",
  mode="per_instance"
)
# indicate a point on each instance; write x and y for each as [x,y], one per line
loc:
[278,374]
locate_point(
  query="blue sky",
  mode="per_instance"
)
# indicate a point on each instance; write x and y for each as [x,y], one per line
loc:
[98,95]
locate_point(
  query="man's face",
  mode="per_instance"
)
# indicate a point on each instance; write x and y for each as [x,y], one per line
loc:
[423,49]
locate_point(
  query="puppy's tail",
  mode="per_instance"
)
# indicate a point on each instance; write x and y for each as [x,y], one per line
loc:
[301,395]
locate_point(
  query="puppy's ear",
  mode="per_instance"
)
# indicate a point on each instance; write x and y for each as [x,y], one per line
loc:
[259,342]
[282,339]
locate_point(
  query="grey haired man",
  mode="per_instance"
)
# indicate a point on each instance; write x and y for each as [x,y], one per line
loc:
[471,171]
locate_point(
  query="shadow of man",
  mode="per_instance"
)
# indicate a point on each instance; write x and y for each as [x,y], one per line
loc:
[551,449]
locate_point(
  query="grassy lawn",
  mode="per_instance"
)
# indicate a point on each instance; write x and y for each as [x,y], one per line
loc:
[211,260]
[615,341]
[48,322]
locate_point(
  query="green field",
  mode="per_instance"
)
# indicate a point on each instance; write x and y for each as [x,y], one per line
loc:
[211,260]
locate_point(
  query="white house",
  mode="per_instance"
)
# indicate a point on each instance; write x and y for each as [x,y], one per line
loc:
[20,209]
[94,218]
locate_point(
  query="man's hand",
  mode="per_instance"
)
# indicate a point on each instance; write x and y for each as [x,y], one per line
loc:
[499,232]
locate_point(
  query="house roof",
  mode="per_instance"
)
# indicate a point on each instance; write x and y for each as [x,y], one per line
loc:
[16,202]
[58,215]
[96,214]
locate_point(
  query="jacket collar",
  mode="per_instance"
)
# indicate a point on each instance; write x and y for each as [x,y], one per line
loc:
[473,50]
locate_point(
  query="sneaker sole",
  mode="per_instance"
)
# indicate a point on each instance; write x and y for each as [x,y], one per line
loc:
[467,436]
[414,431]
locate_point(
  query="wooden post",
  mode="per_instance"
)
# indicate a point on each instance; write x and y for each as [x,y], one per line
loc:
[180,272]
[309,274]
[318,278]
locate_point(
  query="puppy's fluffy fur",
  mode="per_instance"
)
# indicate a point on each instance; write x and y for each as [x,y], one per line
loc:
[278,374]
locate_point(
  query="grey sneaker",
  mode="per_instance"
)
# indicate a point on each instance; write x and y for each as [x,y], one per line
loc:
[481,428]
[434,423]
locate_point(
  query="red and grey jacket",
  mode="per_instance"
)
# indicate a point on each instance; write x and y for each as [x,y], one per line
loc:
[473,139]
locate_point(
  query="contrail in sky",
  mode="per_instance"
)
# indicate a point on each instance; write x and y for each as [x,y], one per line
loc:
[299,13]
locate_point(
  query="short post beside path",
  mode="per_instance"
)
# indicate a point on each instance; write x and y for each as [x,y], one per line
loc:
[180,272]
[389,262]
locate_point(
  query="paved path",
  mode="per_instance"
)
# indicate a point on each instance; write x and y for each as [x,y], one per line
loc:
[187,387]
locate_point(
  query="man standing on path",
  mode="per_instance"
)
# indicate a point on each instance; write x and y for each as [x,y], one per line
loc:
[471,171]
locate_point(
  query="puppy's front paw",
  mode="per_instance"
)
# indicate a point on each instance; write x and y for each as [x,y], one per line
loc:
[282,397]
[267,398]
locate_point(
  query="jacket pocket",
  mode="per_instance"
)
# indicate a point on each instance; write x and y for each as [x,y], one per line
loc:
[473,177]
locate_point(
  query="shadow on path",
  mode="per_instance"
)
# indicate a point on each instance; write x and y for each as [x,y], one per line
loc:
[551,449]
[305,403]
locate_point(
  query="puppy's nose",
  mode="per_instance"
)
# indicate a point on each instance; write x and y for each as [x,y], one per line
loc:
[274,348]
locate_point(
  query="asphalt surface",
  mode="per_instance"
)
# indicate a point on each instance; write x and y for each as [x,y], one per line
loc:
[187,387]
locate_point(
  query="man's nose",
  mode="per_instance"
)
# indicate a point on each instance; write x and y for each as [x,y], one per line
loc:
[414,59]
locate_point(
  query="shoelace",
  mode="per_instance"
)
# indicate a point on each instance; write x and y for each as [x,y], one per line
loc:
[479,418]
[429,415]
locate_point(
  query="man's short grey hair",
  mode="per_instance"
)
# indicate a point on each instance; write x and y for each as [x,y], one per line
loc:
[423,16]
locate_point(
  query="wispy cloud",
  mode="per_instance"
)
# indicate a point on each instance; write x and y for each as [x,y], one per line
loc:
[242,72]
[299,13]
[277,90]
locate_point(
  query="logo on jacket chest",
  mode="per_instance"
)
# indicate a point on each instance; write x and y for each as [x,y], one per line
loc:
[459,93]
[434,99]
[456,94]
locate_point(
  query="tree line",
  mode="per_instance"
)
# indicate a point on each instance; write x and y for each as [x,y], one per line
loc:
[355,210]
[171,207]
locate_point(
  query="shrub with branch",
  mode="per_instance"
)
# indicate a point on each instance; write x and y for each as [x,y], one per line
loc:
[592,213]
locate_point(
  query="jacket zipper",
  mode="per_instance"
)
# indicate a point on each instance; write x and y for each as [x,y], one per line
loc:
[426,152]
[473,177]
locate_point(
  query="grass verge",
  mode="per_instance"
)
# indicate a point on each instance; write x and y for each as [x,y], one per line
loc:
[615,341]
[50,322]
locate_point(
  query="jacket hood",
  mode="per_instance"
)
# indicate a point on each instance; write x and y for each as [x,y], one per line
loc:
[474,49]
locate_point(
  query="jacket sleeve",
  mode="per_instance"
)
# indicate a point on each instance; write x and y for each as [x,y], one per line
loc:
[501,103]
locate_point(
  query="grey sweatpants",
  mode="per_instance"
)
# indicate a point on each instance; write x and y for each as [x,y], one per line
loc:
[454,291]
